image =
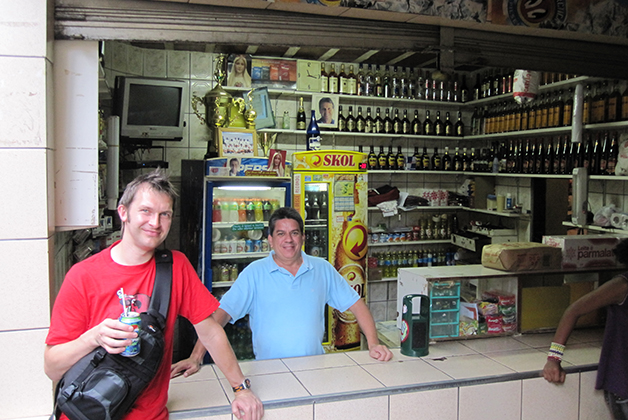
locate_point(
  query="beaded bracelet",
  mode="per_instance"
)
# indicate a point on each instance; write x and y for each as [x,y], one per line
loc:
[556,352]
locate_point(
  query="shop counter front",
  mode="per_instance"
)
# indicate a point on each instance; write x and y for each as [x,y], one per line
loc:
[498,377]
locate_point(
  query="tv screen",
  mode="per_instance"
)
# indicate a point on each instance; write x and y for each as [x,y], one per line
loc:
[150,109]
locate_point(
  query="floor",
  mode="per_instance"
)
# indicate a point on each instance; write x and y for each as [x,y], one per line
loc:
[355,372]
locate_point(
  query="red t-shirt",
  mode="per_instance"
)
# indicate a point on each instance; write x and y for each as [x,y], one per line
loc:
[88,295]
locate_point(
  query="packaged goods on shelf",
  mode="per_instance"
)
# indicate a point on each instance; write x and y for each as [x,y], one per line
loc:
[521,256]
[584,251]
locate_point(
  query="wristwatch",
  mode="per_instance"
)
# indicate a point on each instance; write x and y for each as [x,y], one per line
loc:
[244,385]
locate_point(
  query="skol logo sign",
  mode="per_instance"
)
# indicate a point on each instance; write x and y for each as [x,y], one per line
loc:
[354,240]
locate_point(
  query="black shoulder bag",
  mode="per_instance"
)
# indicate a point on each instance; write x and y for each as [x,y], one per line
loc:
[103,386]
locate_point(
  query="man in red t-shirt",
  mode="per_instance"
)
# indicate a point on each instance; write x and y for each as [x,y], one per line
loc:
[85,314]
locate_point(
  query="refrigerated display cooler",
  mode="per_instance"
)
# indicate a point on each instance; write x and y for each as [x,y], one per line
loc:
[330,191]
[224,225]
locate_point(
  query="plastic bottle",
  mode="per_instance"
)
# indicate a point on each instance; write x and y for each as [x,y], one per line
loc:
[233,211]
[241,210]
[216,214]
[267,209]
[259,210]
[250,211]
[224,210]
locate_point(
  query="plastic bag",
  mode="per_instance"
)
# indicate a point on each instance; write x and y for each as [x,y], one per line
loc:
[525,86]
[603,216]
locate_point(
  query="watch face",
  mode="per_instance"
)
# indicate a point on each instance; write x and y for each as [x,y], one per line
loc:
[308,75]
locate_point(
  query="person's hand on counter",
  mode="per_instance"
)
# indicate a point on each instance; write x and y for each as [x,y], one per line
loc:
[380,352]
[246,406]
[553,372]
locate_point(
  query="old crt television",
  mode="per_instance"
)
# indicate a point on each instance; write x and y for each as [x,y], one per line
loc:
[150,109]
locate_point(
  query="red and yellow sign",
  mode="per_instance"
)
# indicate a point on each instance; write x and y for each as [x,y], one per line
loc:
[329,161]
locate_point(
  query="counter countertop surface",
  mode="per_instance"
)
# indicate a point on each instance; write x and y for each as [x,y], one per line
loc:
[345,375]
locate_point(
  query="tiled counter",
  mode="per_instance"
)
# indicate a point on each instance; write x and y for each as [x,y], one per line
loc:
[491,378]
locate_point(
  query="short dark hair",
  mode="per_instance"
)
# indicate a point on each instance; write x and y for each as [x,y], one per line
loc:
[156,180]
[325,100]
[621,251]
[284,213]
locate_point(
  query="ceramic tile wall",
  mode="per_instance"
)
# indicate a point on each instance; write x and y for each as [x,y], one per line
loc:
[25,231]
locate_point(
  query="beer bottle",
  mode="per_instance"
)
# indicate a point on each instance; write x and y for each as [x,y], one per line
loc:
[613,111]
[425,160]
[464,90]
[406,127]
[382,159]
[416,124]
[539,162]
[603,160]
[427,87]
[448,126]
[352,82]
[378,127]
[343,85]
[397,128]
[324,79]
[368,121]
[465,160]
[549,157]
[412,84]
[351,123]
[612,155]
[392,159]
[388,123]
[333,80]
[401,159]
[417,160]
[301,115]
[477,88]
[439,127]
[459,127]
[342,120]
[586,106]
[568,108]
[372,159]
[436,160]
[428,125]
[446,161]
[395,83]
[360,122]
[457,160]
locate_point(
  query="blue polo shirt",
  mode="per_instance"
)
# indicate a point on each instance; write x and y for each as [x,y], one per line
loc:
[286,312]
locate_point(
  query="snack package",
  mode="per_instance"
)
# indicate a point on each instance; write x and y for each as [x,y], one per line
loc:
[525,86]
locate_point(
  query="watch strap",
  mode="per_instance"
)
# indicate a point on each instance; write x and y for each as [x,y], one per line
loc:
[244,385]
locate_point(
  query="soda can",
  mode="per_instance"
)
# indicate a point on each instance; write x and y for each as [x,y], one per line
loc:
[248,245]
[133,319]
[257,245]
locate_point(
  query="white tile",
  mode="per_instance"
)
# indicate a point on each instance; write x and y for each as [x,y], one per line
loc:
[536,340]
[206,373]
[29,392]
[135,62]
[490,401]
[404,372]
[583,354]
[201,66]
[378,311]
[595,336]
[448,349]
[335,380]
[154,63]
[28,190]
[257,367]
[592,404]
[463,367]
[301,412]
[322,361]
[174,155]
[439,404]
[356,409]
[23,27]
[538,395]
[178,64]
[120,56]
[378,292]
[23,106]
[521,360]
[488,345]
[24,268]
[197,394]
[272,387]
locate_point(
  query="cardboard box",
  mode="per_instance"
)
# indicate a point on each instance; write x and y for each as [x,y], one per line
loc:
[585,251]
[521,256]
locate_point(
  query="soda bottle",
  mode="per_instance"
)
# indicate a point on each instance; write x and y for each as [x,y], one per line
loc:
[233,211]
[224,210]
[267,208]
[241,210]
[250,211]
[259,210]
[216,216]
[275,205]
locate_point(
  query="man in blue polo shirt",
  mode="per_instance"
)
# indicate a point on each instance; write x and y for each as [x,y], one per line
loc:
[284,295]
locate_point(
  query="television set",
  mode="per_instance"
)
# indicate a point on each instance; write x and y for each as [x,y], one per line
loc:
[150,109]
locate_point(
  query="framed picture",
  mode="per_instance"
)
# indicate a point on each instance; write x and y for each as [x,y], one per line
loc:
[239,70]
[261,104]
[326,107]
[277,161]
[236,142]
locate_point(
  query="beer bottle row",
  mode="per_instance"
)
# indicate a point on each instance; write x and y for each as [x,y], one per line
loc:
[392,82]
[395,124]
[597,152]
[601,104]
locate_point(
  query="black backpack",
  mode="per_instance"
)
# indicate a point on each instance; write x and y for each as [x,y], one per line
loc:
[103,386]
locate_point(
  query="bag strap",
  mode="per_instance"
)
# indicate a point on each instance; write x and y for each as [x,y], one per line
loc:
[160,301]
